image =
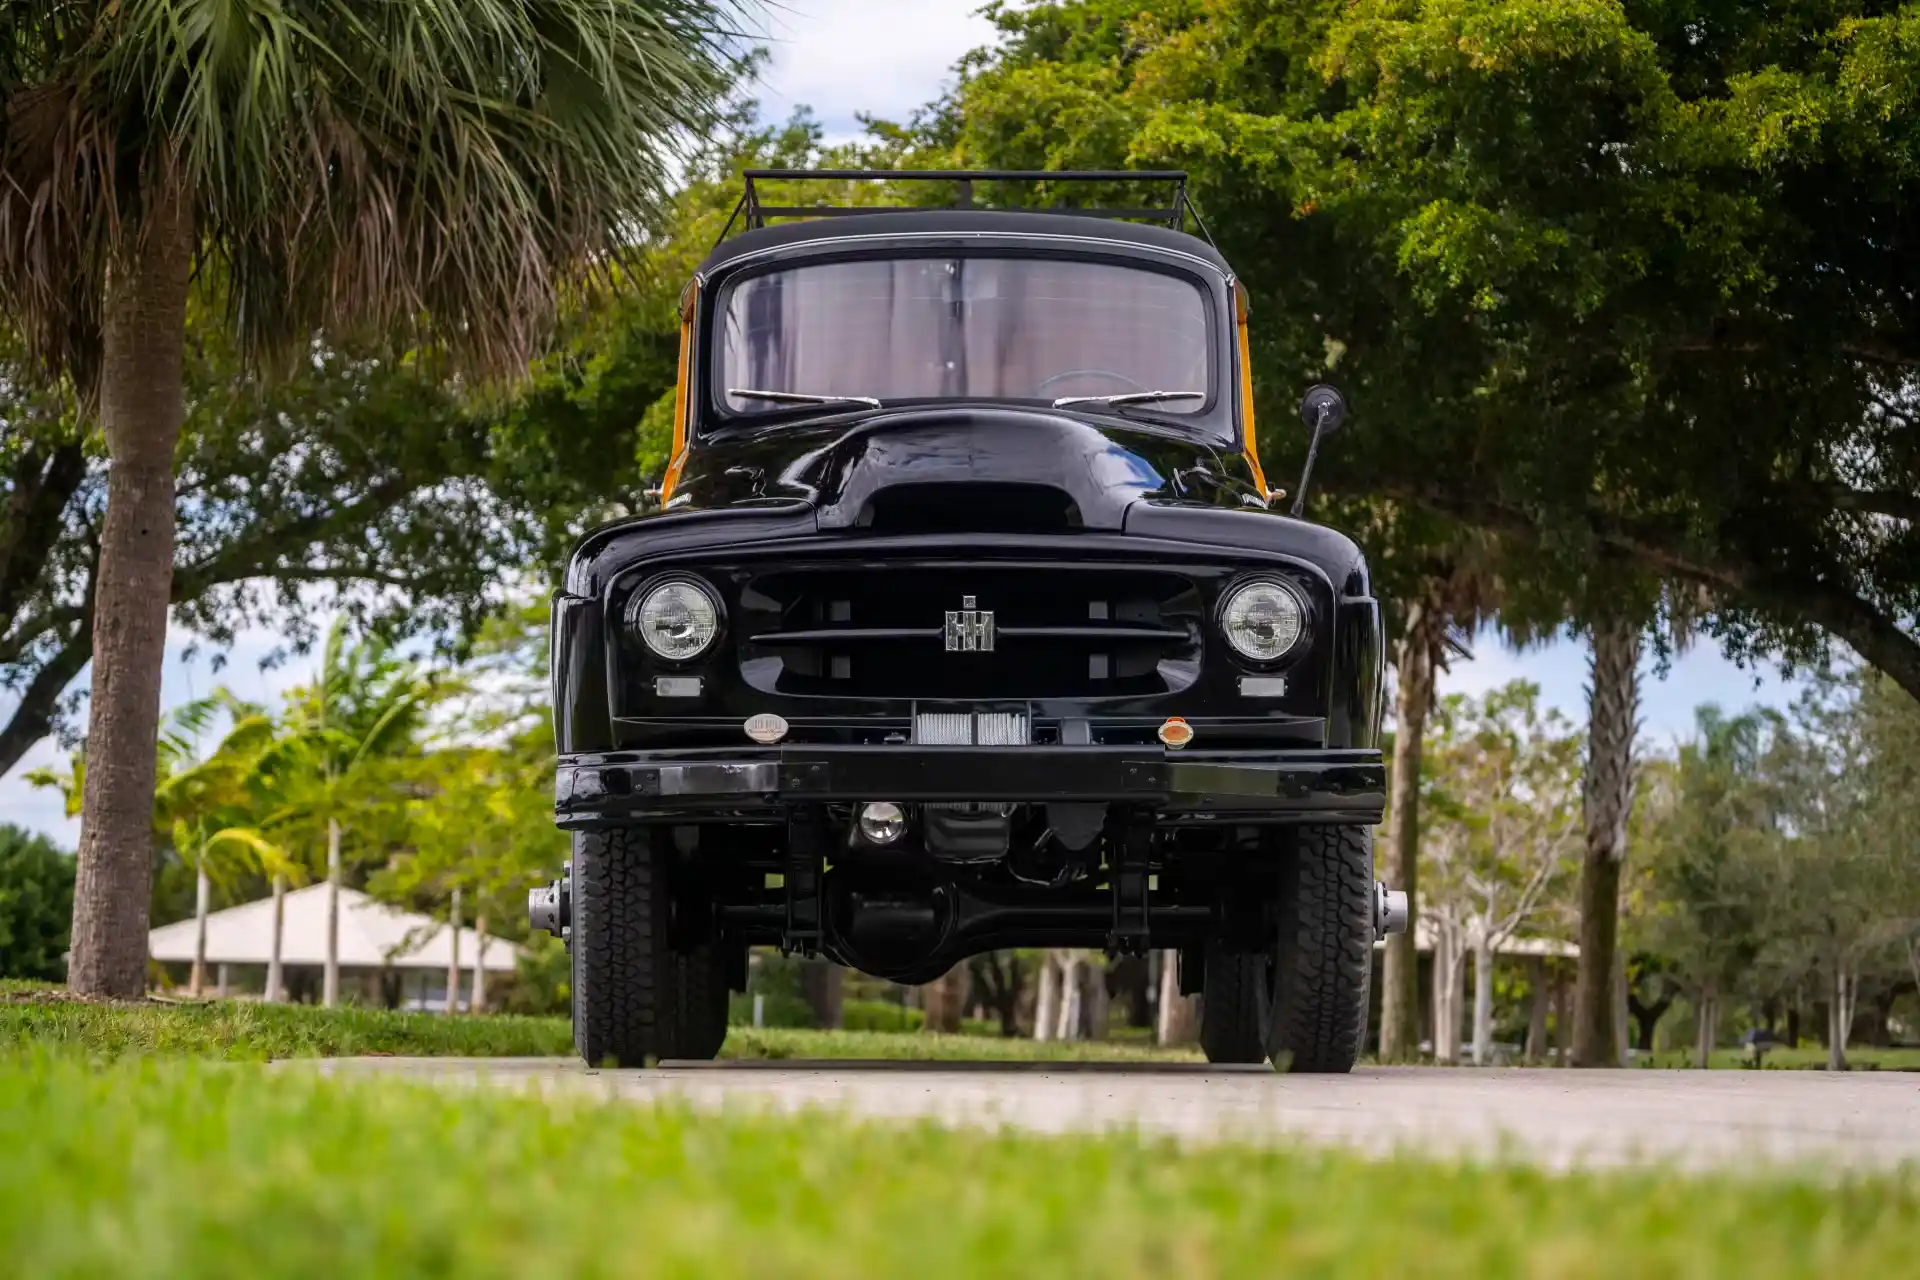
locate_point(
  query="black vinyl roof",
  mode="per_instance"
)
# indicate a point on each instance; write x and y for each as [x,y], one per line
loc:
[909,222]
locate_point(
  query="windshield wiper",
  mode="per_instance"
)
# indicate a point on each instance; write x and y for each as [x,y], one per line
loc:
[800,397]
[1130,397]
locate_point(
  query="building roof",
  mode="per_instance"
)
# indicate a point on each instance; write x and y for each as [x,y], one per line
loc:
[373,935]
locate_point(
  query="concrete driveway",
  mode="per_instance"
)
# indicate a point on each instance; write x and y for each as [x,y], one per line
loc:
[1555,1118]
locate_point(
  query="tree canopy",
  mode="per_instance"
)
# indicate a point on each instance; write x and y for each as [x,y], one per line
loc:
[1633,282]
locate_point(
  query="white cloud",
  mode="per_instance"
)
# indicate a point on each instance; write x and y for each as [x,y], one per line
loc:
[884,57]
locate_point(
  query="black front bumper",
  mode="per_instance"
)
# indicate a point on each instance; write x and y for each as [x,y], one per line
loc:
[1306,786]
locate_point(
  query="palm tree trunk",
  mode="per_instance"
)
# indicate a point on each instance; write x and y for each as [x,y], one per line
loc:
[276,984]
[202,899]
[141,407]
[453,956]
[478,1002]
[1613,707]
[330,982]
[1400,978]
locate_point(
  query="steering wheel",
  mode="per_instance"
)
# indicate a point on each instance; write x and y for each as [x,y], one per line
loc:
[1087,373]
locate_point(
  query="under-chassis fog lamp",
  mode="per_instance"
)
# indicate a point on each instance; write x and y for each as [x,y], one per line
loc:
[882,822]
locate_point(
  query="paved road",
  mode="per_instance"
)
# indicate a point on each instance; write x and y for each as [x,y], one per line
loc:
[1555,1118]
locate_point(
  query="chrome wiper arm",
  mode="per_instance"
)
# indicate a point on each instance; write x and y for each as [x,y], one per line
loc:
[799,397]
[1129,397]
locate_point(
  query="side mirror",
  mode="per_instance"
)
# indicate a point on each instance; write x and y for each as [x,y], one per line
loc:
[1323,409]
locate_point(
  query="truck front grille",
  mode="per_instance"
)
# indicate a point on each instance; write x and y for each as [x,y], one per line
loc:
[1005,632]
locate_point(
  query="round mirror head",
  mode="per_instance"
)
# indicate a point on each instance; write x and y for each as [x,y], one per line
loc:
[1323,408]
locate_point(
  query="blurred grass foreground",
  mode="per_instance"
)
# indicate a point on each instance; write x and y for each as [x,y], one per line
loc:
[172,1166]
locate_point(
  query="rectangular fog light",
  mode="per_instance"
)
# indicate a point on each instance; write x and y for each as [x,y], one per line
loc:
[676,687]
[1263,686]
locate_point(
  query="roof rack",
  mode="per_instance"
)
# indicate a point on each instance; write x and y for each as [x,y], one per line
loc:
[758,213]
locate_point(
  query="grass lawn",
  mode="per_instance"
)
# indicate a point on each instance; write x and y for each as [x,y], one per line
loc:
[257,1032]
[177,1167]
[246,1031]
[1808,1057]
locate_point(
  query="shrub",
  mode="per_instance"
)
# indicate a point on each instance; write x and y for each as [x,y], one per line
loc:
[36,905]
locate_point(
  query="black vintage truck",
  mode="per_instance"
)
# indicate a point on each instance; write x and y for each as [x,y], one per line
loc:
[967,620]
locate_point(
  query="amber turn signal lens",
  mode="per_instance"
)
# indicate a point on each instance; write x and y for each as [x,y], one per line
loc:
[1176,733]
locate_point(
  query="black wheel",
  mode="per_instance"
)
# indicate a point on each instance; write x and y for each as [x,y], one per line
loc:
[1234,1005]
[636,999]
[1323,956]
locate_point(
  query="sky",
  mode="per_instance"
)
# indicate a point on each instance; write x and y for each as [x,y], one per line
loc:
[885,57]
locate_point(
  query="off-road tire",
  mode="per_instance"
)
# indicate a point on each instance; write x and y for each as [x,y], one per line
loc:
[1323,958]
[636,999]
[1234,1005]
[701,1001]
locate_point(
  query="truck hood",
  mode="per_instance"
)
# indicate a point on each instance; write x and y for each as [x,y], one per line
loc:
[996,464]
[962,470]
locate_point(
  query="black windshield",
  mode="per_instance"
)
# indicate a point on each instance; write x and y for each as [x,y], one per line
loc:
[917,328]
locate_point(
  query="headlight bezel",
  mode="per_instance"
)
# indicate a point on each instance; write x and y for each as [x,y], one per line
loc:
[1303,603]
[631,617]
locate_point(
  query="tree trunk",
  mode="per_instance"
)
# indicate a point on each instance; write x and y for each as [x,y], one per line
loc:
[1613,706]
[1562,1019]
[1046,1009]
[202,900]
[822,983]
[1538,1002]
[276,981]
[1482,999]
[1097,1016]
[1706,1026]
[141,407]
[1400,975]
[453,955]
[1069,1028]
[1175,1015]
[1846,990]
[943,999]
[478,1001]
[330,984]
[1448,954]
[1620,1005]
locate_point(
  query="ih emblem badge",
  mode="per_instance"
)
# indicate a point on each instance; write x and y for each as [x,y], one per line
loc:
[969,629]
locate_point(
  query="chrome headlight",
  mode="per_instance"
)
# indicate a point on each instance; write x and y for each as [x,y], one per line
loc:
[678,620]
[1263,621]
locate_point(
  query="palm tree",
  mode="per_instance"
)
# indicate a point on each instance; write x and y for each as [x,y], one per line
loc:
[192,794]
[364,708]
[195,796]
[433,170]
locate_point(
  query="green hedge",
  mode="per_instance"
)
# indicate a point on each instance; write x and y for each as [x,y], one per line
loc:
[880,1015]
